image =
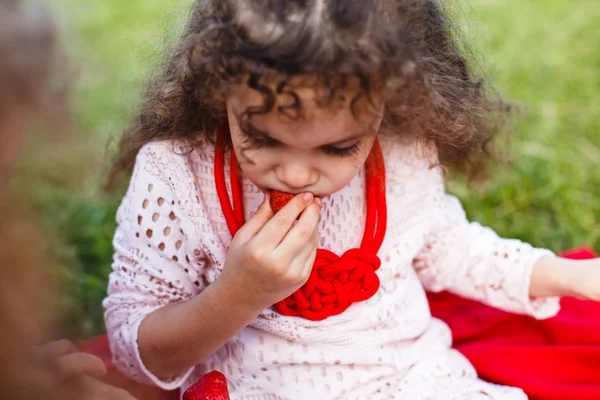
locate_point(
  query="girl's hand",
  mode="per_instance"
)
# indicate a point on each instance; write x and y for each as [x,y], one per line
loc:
[272,256]
[584,279]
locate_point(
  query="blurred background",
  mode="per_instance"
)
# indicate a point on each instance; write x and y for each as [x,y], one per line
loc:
[543,55]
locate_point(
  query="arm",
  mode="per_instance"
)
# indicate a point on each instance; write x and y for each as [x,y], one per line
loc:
[473,261]
[162,319]
[548,278]
[554,276]
[154,266]
[177,337]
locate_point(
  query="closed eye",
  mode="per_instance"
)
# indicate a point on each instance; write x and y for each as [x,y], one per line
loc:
[255,142]
[259,140]
[348,151]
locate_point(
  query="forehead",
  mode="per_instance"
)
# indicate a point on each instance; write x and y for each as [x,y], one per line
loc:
[314,123]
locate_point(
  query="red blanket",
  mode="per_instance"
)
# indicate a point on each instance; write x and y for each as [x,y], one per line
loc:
[555,359]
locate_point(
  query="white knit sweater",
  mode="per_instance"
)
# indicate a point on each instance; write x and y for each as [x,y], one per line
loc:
[172,242]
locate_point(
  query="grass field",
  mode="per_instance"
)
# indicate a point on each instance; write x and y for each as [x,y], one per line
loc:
[543,55]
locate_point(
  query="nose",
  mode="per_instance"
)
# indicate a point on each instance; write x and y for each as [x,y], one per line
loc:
[296,173]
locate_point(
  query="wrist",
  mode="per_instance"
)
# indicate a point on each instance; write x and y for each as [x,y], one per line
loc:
[232,294]
[552,276]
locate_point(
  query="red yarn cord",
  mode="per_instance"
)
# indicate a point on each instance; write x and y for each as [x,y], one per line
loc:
[335,282]
[378,176]
[375,225]
[236,191]
[220,183]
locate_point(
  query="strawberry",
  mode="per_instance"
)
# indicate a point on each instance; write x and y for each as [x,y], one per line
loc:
[212,386]
[279,199]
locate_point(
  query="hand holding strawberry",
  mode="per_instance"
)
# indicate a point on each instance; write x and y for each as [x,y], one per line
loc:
[272,255]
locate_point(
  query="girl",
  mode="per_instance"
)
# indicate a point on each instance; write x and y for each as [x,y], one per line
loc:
[354,107]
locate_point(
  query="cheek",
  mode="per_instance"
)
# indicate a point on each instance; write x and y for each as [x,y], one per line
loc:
[254,164]
[340,172]
[247,158]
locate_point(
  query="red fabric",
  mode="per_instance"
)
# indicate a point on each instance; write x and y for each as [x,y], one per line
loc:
[554,359]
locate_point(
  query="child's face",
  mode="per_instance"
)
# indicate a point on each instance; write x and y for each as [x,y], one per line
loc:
[320,153]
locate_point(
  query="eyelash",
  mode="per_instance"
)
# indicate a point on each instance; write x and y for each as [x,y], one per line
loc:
[343,151]
[257,142]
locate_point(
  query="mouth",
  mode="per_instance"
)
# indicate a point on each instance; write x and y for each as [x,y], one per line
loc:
[265,190]
[278,200]
[293,193]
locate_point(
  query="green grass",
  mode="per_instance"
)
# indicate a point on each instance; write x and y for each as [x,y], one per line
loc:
[543,55]
[114,47]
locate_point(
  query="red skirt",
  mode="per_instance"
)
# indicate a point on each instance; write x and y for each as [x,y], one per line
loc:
[554,359]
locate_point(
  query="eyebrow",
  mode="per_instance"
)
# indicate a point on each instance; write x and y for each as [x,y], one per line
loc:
[265,134]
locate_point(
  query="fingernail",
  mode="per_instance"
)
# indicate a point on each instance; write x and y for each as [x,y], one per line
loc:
[318,201]
[308,196]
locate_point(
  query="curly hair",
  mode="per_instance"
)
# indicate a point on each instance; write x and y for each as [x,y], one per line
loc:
[404,50]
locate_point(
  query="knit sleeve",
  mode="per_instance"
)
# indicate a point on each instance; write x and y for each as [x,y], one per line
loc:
[474,262]
[153,264]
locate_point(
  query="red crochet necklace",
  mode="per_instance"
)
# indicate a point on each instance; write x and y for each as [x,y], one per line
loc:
[335,282]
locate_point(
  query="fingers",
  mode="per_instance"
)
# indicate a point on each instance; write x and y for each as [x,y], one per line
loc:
[256,222]
[309,263]
[301,233]
[75,364]
[273,232]
[299,269]
[306,259]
